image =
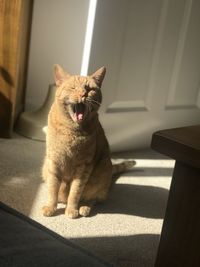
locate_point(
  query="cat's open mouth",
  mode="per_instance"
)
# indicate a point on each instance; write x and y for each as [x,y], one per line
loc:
[79,111]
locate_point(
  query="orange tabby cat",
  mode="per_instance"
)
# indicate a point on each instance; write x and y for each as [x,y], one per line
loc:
[77,167]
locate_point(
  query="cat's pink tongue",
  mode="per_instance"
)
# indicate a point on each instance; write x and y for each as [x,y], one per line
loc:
[80,116]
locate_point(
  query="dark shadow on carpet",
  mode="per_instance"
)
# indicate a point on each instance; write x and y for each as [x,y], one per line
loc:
[124,251]
[139,154]
[138,200]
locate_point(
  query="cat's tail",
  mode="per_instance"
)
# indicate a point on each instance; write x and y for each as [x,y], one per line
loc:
[123,166]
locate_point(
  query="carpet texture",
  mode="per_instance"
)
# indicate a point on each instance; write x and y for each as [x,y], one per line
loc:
[124,230]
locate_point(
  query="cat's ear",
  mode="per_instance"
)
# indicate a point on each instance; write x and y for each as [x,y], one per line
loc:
[99,75]
[59,74]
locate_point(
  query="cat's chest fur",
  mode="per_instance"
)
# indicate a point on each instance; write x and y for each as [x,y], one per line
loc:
[69,151]
[69,145]
[69,142]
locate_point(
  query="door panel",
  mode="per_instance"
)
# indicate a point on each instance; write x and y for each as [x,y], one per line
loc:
[151,50]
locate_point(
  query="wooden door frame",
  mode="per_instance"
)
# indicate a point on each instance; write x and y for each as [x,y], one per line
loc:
[15,27]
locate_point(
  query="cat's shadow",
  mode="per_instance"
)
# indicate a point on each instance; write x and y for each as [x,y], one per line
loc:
[138,200]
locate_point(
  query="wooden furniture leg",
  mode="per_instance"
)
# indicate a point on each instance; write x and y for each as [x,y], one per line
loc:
[180,237]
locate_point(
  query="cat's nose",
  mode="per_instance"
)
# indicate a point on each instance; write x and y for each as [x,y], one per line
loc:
[81,99]
[82,92]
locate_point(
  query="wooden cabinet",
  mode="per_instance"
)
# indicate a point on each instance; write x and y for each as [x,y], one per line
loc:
[179,242]
[15,25]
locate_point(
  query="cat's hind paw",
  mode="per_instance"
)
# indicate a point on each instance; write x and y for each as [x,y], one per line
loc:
[84,211]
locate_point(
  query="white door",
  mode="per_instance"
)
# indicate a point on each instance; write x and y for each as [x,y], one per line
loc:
[152,53]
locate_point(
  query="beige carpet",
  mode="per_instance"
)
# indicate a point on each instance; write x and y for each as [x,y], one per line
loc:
[125,230]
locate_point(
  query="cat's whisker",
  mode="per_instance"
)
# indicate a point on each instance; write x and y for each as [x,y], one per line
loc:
[89,106]
[93,101]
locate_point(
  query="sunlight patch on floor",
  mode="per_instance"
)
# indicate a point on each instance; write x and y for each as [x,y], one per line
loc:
[150,163]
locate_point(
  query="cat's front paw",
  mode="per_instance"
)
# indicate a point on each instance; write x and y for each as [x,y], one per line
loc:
[84,211]
[71,213]
[48,211]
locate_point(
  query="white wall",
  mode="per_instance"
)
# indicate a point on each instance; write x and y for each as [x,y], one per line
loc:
[58,32]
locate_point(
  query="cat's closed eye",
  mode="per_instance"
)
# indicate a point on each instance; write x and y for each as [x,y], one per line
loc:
[88,88]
